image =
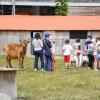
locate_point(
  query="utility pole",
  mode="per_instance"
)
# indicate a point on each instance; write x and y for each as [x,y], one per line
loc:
[1,10]
[13,7]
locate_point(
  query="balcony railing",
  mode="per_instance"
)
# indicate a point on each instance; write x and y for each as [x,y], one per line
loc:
[71,1]
[6,0]
[28,0]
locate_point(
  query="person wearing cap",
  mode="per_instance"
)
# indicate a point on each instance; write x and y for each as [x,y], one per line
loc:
[47,51]
[38,51]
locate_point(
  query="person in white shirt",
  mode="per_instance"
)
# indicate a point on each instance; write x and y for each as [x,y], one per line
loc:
[67,49]
[78,53]
[38,51]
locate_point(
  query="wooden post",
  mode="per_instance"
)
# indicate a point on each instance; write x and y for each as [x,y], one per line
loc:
[8,82]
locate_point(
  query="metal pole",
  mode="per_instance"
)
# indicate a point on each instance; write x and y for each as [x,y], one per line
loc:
[2,10]
[13,7]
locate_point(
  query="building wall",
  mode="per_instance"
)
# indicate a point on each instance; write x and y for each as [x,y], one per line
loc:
[7,37]
[60,37]
[84,11]
[95,34]
[47,7]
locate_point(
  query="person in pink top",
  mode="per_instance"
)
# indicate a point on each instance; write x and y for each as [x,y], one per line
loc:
[67,49]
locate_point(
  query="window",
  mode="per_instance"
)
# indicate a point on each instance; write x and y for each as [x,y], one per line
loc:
[78,34]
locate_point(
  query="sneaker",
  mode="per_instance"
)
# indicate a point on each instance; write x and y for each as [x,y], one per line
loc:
[35,69]
[96,69]
[88,68]
[65,68]
[42,69]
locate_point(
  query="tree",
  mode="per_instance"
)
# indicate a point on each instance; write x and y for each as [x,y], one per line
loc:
[61,7]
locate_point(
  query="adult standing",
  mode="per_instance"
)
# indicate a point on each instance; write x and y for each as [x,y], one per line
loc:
[47,51]
[38,51]
[89,48]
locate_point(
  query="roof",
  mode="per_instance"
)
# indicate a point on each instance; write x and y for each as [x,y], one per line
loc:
[26,22]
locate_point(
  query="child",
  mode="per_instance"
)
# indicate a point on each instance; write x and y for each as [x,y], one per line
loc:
[67,48]
[53,53]
[98,54]
[78,53]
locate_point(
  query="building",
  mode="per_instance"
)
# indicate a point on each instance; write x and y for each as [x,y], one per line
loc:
[27,7]
[84,7]
[47,7]
[15,28]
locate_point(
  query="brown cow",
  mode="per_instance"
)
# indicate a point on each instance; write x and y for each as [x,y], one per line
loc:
[15,51]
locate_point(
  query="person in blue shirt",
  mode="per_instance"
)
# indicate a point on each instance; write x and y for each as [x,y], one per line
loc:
[47,51]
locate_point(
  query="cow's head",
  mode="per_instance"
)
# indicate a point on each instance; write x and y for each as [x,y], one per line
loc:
[24,43]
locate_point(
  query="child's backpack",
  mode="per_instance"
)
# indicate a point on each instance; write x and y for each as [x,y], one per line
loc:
[79,50]
[90,49]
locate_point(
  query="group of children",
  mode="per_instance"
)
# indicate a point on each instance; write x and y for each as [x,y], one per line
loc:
[90,54]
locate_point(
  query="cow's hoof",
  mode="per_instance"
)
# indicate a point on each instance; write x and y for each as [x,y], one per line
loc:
[21,67]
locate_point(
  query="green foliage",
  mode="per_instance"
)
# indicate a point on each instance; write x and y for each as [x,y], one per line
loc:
[61,7]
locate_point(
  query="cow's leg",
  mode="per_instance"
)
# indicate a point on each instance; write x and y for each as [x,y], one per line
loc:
[7,62]
[10,63]
[22,62]
[19,62]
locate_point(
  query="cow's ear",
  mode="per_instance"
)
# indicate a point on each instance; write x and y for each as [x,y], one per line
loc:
[23,45]
[28,41]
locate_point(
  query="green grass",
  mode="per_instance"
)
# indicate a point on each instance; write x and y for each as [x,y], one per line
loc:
[71,84]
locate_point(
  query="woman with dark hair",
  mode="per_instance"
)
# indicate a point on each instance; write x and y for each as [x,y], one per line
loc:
[38,51]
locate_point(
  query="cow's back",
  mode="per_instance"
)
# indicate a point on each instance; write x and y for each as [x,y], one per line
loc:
[14,50]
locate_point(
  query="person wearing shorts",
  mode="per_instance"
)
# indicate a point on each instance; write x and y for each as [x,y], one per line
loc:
[67,49]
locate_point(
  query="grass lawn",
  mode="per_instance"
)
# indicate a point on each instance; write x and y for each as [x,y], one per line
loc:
[71,84]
